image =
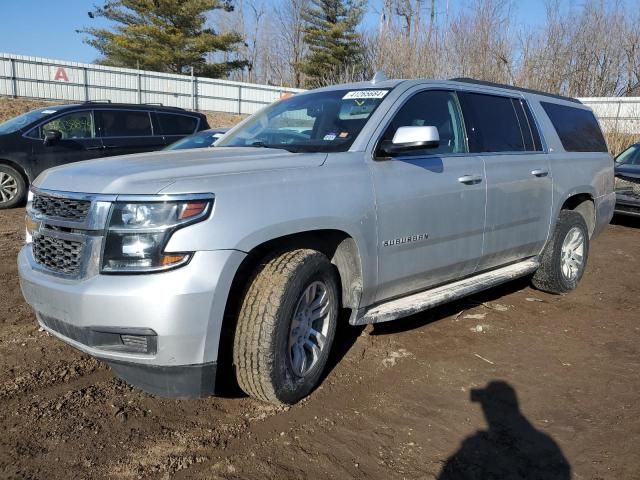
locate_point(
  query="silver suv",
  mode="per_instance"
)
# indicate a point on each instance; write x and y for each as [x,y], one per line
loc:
[383,198]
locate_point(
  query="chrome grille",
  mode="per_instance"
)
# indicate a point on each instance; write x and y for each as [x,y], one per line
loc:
[58,207]
[56,254]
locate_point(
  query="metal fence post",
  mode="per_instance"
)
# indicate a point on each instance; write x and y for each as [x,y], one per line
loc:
[139,87]
[85,78]
[239,99]
[615,124]
[194,91]
[14,82]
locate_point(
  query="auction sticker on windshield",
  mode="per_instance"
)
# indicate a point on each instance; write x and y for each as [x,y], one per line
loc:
[355,94]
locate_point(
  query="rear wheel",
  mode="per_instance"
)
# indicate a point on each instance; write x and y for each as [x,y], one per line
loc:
[286,326]
[565,257]
[13,188]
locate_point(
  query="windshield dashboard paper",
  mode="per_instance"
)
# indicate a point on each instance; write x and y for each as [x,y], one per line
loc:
[356,94]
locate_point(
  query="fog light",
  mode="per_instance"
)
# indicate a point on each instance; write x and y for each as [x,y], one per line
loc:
[135,343]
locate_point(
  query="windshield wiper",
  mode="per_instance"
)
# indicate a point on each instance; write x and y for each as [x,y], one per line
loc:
[283,146]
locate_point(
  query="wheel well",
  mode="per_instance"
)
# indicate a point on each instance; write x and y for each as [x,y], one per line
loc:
[337,245]
[584,205]
[16,167]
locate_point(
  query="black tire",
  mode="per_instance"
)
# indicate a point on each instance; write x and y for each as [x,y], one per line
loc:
[549,277]
[261,351]
[10,174]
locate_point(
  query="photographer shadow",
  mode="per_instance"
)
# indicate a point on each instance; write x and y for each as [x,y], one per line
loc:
[511,448]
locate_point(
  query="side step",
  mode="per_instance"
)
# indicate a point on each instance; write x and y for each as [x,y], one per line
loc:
[405,306]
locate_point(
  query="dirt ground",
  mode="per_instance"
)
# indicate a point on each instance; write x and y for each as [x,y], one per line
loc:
[397,402]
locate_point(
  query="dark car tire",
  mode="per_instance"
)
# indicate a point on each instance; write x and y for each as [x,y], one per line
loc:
[13,188]
[284,287]
[560,271]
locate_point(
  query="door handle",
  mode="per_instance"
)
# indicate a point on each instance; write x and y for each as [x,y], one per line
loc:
[470,179]
[540,172]
[95,148]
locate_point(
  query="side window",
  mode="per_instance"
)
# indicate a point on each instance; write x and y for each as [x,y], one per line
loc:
[492,123]
[123,123]
[75,125]
[577,128]
[172,124]
[432,108]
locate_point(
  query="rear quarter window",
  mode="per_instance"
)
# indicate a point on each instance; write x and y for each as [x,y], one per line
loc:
[577,128]
[173,124]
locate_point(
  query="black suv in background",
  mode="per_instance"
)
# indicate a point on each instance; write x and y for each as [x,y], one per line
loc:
[52,136]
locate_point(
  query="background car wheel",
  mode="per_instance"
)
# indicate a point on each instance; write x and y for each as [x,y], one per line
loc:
[13,188]
[286,326]
[565,257]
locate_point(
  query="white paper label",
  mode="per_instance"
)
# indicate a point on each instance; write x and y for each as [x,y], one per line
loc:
[355,94]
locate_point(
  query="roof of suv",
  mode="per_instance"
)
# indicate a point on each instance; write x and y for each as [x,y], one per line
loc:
[390,84]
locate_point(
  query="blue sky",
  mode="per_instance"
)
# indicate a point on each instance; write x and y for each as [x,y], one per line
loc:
[48,29]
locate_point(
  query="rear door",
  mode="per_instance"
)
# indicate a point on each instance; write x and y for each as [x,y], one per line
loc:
[127,131]
[174,126]
[78,141]
[503,132]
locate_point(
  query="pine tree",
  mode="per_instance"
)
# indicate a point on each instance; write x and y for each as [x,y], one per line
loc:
[334,44]
[163,35]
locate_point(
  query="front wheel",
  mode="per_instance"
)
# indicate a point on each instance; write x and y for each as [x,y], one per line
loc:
[286,326]
[565,257]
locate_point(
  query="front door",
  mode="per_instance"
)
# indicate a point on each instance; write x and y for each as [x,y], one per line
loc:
[430,203]
[78,141]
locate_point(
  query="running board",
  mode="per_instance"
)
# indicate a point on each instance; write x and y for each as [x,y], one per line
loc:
[418,302]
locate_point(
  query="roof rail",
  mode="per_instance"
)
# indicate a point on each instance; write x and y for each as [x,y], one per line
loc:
[511,87]
[97,101]
[159,104]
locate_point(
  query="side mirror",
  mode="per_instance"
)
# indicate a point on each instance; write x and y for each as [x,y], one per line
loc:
[52,136]
[407,139]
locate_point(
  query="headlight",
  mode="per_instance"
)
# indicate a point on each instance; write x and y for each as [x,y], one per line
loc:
[139,231]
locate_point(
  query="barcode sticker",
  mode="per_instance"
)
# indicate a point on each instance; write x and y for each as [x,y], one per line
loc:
[355,94]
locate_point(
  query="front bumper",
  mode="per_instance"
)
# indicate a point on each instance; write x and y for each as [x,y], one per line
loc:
[628,203]
[179,311]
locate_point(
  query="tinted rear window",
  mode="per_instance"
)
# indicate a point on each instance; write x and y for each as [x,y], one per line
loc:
[172,124]
[577,128]
[492,123]
[123,123]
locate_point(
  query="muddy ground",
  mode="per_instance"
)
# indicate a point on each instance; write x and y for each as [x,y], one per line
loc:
[397,402]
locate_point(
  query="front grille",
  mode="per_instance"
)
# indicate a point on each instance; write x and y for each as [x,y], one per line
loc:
[56,254]
[58,207]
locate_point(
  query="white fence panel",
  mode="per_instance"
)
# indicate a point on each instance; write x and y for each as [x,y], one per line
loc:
[36,77]
[616,114]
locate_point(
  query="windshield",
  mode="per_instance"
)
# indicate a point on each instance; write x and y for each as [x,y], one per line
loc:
[314,122]
[630,156]
[25,119]
[202,139]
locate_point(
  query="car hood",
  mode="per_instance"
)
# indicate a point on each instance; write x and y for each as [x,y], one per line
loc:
[148,173]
